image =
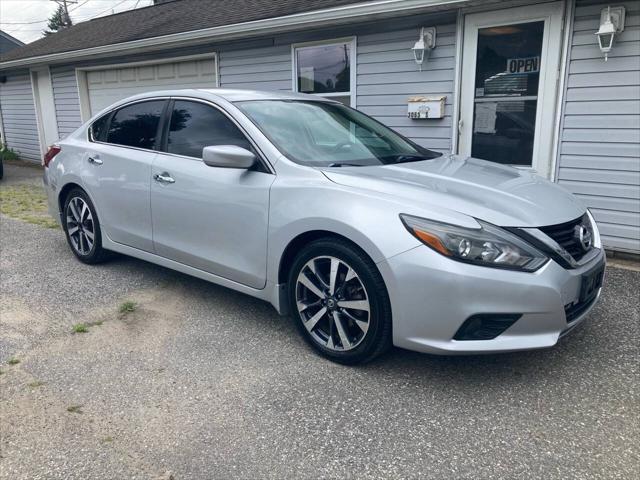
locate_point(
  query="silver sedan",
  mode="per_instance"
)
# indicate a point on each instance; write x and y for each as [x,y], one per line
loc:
[367,239]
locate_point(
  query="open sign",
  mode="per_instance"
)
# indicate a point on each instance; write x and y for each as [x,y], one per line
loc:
[523,65]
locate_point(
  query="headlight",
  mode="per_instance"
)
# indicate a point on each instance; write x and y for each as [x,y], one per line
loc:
[595,233]
[487,245]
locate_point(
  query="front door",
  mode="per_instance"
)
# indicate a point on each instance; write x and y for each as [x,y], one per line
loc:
[210,218]
[510,70]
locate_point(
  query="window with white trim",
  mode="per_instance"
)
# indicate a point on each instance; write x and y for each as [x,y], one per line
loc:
[326,69]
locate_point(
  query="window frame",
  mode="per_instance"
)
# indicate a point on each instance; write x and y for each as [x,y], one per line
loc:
[115,110]
[352,42]
[90,136]
[262,164]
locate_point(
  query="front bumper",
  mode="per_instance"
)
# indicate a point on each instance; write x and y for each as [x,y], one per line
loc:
[431,297]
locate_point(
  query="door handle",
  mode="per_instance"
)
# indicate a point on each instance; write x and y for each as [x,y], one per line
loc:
[163,177]
[95,160]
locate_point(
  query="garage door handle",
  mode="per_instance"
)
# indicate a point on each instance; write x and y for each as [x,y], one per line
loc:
[163,177]
[95,161]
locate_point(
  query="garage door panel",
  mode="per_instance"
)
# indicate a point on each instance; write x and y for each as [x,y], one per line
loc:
[110,85]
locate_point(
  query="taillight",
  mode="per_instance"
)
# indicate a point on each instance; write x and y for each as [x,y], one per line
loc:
[52,152]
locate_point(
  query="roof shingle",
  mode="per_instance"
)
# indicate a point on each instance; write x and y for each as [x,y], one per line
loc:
[171,17]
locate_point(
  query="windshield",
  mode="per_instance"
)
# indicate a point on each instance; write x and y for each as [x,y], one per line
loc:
[330,134]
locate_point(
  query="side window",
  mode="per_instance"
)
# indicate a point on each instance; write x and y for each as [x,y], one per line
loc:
[136,125]
[98,128]
[195,125]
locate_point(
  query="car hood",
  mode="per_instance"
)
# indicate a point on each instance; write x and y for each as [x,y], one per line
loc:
[488,191]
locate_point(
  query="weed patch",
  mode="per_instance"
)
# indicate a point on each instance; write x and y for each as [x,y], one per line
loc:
[127,307]
[74,409]
[80,328]
[27,203]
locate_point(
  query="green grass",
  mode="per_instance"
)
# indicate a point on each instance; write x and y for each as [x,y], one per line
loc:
[74,409]
[8,154]
[13,361]
[26,202]
[80,328]
[36,384]
[127,307]
[84,327]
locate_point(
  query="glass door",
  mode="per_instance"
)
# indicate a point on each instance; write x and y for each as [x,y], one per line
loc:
[510,65]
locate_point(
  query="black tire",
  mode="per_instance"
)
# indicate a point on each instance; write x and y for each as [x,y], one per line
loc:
[94,254]
[378,338]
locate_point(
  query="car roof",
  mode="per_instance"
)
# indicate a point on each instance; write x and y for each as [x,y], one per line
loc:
[229,94]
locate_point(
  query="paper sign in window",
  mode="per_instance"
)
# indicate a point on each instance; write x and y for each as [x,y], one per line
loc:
[485,121]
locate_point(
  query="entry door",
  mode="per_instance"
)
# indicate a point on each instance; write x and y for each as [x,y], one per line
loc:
[510,70]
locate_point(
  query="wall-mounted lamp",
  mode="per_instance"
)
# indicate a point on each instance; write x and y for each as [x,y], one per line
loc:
[611,23]
[424,45]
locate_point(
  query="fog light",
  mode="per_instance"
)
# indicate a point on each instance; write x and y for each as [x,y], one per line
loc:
[485,326]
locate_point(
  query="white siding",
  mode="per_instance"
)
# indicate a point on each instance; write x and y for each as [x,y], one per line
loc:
[600,141]
[65,96]
[19,116]
[266,68]
[388,76]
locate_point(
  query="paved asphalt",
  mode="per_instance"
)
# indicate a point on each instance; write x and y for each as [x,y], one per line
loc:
[204,383]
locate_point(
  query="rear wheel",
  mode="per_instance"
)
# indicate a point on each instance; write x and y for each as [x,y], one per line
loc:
[339,302]
[82,228]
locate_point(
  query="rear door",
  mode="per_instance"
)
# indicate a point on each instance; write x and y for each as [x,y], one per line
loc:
[213,219]
[119,165]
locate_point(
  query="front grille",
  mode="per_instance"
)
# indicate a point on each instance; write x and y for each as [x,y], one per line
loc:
[565,235]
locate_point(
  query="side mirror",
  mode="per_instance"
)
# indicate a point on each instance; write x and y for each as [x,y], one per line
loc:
[228,156]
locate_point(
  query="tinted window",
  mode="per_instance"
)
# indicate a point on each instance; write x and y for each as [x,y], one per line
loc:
[98,128]
[194,126]
[136,125]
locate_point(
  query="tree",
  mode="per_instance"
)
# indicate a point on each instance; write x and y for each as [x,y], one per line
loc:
[57,21]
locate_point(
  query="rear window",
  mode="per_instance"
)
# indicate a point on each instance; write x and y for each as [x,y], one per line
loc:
[136,125]
[98,129]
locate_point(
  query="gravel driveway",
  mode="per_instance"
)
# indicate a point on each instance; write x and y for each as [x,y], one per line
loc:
[199,382]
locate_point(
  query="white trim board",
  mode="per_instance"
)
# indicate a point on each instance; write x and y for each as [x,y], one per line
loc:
[43,101]
[352,65]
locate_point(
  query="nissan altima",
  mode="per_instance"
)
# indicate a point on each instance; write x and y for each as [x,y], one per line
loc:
[364,237]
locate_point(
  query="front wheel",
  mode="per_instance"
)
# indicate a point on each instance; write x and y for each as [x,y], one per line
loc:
[82,228]
[339,302]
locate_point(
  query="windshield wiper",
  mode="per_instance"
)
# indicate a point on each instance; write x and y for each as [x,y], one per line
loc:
[410,158]
[344,164]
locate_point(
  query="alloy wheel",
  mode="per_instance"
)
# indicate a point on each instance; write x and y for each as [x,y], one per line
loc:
[333,304]
[80,225]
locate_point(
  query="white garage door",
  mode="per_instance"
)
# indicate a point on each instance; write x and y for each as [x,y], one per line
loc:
[112,84]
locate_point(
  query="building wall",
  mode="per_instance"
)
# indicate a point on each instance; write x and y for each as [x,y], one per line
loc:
[599,145]
[600,138]
[387,76]
[267,68]
[19,116]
